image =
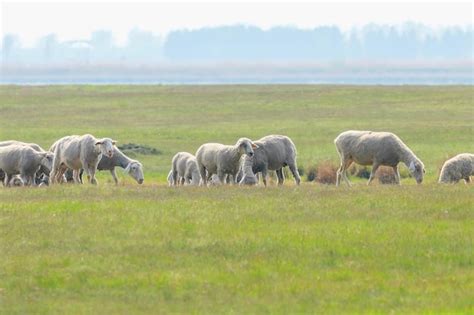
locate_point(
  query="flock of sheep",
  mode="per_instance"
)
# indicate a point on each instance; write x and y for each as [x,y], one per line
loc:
[214,163]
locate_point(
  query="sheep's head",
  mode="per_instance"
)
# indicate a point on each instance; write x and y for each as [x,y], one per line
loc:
[417,170]
[135,169]
[106,146]
[47,160]
[195,177]
[246,146]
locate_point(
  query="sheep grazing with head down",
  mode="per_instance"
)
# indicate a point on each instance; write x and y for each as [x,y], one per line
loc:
[376,149]
[17,181]
[43,170]
[459,167]
[23,160]
[185,169]
[273,153]
[220,159]
[79,152]
[248,176]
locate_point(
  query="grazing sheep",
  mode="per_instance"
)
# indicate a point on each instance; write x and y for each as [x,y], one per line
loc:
[132,167]
[16,181]
[34,146]
[79,152]
[170,178]
[220,159]
[184,169]
[23,160]
[273,153]
[248,177]
[376,149]
[459,167]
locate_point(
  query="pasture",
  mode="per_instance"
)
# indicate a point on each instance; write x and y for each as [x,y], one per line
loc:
[309,249]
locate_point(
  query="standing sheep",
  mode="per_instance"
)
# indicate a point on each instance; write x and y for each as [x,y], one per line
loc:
[220,159]
[23,160]
[76,152]
[459,167]
[273,153]
[184,169]
[376,149]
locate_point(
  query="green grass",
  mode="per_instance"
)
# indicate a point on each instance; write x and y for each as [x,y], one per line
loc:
[309,249]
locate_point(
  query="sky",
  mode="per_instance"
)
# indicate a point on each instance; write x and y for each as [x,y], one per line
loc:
[73,20]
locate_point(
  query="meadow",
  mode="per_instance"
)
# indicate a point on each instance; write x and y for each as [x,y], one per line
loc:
[309,249]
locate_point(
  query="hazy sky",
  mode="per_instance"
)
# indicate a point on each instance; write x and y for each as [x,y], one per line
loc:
[72,20]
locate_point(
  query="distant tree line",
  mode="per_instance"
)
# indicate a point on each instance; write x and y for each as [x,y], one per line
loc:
[248,43]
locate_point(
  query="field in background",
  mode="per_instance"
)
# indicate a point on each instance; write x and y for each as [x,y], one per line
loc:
[315,248]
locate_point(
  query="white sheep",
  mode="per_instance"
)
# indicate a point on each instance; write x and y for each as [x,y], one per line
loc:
[459,167]
[17,181]
[42,172]
[79,152]
[23,160]
[170,178]
[273,153]
[248,176]
[220,159]
[185,169]
[376,149]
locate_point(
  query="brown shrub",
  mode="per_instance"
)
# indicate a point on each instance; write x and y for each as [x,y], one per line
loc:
[386,175]
[326,173]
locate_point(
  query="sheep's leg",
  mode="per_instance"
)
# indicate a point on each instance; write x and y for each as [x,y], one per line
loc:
[75,176]
[182,180]
[264,176]
[280,176]
[204,177]
[467,180]
[372,173]
[175,177]
[397,174]
[93,180]
[32,178]
[339,173]
[114,176]
[6,180]
[295,173]
[222,176]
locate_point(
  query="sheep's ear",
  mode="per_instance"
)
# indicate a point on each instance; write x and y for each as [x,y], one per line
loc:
[114,142]
[98,143]
[254,146]
[127,169]
[412,166]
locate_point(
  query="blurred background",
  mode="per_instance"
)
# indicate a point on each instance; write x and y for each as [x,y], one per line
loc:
[229,42]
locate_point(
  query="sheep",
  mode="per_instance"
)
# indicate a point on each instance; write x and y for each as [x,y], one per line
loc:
[220,159]
[23,160]
[170,178]
[376,149]
[273,153]
[76,152]
[16,181]
[34,146]
[459,167]
[132,167]
[184,169]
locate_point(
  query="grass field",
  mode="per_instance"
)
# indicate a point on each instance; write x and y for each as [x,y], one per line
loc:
[308,249]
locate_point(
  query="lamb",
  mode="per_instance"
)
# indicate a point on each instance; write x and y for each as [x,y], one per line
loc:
[248,177]
[76,152]
[17,181]
[185,169]
[376,149]
[170,178]
[220,159]
[459,167]
[273,153]
[23,160]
